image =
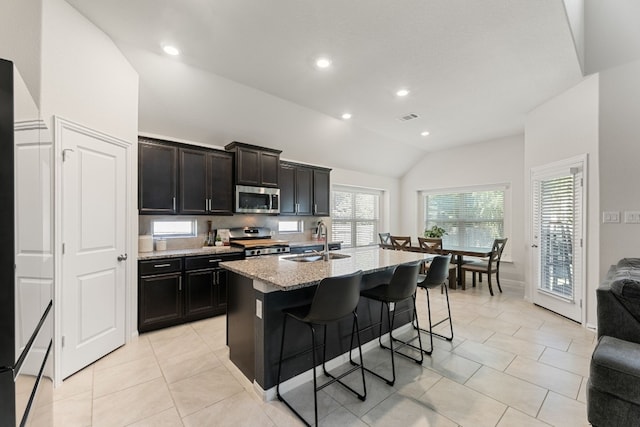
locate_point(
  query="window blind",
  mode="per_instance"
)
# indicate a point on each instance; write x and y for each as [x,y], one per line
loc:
[470,218]
[355,215]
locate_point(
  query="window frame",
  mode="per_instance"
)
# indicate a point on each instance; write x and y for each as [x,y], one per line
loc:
[507,210]
[194,229]
[359,190]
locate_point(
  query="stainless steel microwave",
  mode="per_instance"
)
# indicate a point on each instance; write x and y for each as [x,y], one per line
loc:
[257,199]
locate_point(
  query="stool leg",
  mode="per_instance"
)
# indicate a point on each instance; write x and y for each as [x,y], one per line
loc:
[315,385]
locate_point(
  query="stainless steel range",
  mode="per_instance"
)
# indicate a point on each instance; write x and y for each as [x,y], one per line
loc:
[257,241]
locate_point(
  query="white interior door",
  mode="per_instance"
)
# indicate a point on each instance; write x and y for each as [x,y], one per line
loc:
[94,177]
[558,237]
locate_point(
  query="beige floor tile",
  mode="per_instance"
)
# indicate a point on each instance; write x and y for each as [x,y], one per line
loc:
[237,411]
[281,415]
[521,319]
[377,391]
[496,325]
[139,348]
[79,383]
[186,365]
[413,380]
[514,418]
[168,333]
[509,390]
[125,375]
[132,404]
[198,392]
[554,339]
[168,418]
[469,332]
[301,398]
[485,355]
[463,405]
[571,330]
[582,348]
[559,410]
[342,417]
[73,411]
[582,394]
[187,341]
[567,361]
[452,366]
[545,376]
[400,411]
[516,345]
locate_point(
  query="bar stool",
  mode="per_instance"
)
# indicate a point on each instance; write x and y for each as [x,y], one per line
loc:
[334,299]
[401,287]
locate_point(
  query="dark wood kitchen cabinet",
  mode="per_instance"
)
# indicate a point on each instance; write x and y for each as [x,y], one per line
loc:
[255,166]
[178,290]
[206,182]
[304,190]
[157,177]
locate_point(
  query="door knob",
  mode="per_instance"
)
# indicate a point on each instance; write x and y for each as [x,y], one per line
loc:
[122,257]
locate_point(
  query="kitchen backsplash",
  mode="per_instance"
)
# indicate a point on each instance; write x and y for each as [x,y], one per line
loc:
[309,226]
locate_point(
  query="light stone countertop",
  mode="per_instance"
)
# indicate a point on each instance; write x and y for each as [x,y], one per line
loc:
[280,274]
[311,243]
[176,253]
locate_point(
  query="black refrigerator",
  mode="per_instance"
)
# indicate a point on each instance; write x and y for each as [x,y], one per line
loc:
[26,308]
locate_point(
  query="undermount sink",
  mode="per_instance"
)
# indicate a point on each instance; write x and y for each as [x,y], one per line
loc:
[314,257]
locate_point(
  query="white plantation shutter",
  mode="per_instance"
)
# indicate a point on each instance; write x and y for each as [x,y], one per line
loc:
[355,215]
[557,228]
[472,218]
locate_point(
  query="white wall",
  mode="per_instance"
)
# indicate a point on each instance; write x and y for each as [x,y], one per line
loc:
[575,15]
[85,78]
[564,127]
[20,39]
[619,160]
[493,162]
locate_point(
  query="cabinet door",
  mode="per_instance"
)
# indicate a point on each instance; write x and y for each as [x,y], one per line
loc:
[159,301]
[199,300]
[248,164]
[269,165]
[304,190]
[220,183]
[321,192]
[193,182]
[221,290]
[157,176]
[287,189]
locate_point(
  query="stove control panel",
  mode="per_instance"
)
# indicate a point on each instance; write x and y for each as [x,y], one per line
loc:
[267,251]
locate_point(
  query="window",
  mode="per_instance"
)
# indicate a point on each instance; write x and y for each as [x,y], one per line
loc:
[471,217]
[289,226]
[355,216]
[174,228]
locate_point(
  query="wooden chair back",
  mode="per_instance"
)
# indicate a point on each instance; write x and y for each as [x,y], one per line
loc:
[496,252]
[430,245]
[400,242]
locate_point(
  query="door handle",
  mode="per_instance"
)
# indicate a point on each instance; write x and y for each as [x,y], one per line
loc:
[534,246]
[122,257]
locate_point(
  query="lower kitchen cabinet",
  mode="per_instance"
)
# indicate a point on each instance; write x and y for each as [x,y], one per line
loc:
[178,290]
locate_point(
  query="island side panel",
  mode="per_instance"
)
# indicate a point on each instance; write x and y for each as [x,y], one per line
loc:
[241,312]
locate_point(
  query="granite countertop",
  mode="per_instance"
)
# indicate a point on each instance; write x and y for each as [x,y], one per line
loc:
[176,253]
[278,273]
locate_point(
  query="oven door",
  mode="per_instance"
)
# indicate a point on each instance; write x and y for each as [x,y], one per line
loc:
[257,199]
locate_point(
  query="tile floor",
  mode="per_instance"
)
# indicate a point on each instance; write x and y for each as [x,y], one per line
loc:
[510,364]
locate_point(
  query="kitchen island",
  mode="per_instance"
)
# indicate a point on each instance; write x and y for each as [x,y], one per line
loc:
[260,287]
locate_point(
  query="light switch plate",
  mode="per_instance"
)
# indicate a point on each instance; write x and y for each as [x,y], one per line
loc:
[610,217]
[632,217]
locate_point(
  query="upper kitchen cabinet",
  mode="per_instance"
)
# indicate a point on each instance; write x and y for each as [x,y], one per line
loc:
[304,190]
[255,166]
[206,182]
[157,177]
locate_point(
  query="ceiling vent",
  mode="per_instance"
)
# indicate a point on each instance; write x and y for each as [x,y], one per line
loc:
[407,117]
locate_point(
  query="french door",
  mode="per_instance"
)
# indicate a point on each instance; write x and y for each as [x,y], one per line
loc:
[557,237]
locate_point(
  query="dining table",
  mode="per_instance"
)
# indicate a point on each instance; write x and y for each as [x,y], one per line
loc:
[458,253]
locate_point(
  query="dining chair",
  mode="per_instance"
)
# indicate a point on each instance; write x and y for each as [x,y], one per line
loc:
[385,240]
[335,298]
[488,267]
[400,242]
[430,245]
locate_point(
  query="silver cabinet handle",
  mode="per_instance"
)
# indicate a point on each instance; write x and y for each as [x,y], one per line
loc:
[161,265]
[122,257]
[315,208]
[174,203]
[179,283]
[215,260]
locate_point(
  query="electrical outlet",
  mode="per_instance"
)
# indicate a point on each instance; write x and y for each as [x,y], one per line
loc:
[632,217]
[610,217]
[258,309]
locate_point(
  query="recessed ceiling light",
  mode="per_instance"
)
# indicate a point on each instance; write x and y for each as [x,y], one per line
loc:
[323,62]
[171,50]
[402,92]
[346,116]
[425,133]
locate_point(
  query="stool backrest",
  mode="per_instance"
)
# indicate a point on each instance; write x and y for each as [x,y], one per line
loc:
[335,298]
[404,281]
[438,271]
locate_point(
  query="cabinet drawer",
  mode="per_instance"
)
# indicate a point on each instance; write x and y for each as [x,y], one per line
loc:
[209,261]
[159,266]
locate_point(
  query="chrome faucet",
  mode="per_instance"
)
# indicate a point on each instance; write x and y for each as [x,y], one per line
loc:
[324,231]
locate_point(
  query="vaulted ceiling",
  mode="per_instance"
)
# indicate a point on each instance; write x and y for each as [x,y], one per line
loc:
[247,72]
